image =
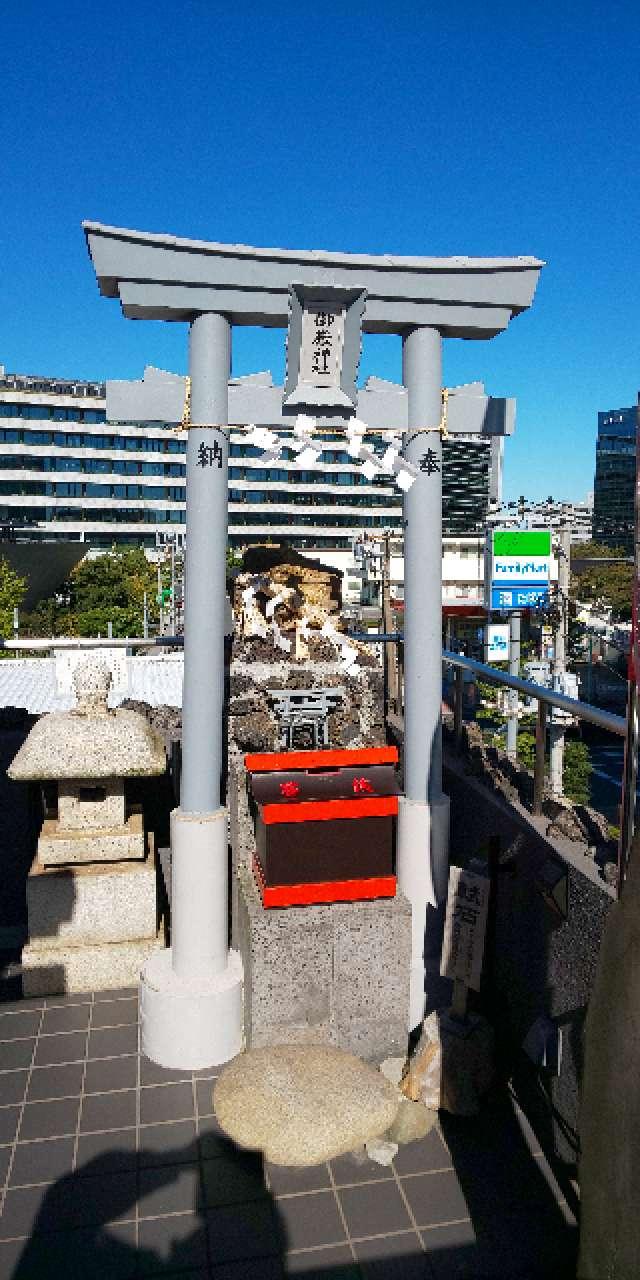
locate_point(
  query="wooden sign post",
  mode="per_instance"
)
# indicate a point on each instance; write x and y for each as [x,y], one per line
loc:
[464,934]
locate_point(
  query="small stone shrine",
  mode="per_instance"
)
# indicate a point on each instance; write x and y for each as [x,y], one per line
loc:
[91,892]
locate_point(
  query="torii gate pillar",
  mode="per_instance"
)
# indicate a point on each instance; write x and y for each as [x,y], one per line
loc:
[191,995]
[423,823]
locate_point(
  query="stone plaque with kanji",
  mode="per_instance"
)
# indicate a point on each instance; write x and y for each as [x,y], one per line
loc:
[321,347]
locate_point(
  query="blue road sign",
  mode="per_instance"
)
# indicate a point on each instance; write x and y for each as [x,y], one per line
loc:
[518,596]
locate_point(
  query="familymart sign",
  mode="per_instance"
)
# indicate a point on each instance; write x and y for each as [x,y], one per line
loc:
[520,561]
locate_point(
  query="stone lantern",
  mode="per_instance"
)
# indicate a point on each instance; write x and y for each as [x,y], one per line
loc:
[91,892]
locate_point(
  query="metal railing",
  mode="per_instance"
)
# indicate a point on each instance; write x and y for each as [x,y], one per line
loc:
[548,697]
[38,644]
[544,697]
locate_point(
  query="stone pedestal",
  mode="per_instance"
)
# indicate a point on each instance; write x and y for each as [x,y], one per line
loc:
[335,974]
[91,927]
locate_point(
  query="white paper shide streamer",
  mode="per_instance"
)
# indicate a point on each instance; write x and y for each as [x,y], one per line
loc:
[309,450]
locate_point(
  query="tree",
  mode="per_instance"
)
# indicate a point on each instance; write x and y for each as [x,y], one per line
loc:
[50,617]
[610,585]
[12,593]
[576,774]
[109,588]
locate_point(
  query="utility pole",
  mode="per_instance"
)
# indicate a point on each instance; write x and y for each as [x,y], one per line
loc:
[389,651]
[161,613]
[145,617]
[556,730]
[173,588]
[514,670]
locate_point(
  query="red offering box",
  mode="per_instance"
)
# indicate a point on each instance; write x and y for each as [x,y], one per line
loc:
[324,824]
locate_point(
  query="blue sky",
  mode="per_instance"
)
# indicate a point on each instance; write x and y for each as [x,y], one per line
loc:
[435,128]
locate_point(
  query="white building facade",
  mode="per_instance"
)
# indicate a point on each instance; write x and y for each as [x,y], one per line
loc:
[66,473]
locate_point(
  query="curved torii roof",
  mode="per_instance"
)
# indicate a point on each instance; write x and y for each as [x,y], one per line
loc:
[164,277]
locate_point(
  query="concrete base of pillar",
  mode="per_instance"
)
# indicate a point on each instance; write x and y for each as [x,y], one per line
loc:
[190,1025]
[423,858]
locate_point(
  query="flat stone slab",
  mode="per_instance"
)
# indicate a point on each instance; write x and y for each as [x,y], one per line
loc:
[103,968]
[303,1104]
[86,905]
[59,845]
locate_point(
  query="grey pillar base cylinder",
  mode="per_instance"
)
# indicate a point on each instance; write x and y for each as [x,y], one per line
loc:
[189,1025]
[423,839]
[192,995]
[191,1010]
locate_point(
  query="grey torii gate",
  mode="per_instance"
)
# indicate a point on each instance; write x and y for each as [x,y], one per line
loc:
[192,994]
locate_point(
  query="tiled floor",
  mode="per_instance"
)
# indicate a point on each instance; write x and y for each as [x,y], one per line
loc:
[114,1167]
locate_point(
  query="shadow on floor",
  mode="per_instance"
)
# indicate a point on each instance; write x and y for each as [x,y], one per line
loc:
[204,1210]
[522,1225]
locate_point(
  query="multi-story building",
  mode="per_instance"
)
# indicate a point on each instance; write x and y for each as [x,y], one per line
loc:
[550,514]
[615,478]
[66,473]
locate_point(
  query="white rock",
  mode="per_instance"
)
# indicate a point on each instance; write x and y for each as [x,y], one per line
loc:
[392,1069]
[452,1066]
[359,1156]
[380,1150]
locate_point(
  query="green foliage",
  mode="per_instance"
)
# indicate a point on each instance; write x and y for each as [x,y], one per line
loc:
[12,591]
[486,691]
[526,748]
[610,584]
[51,617]
[107,589]
[577,771]
[577,765]
[110,588]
